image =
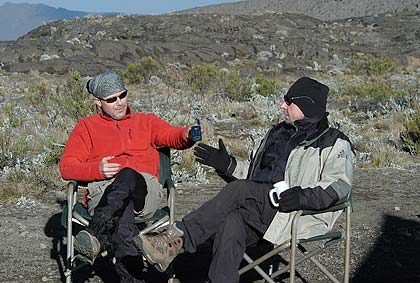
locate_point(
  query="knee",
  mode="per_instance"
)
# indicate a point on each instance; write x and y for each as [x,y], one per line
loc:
[128,176]
[127,173]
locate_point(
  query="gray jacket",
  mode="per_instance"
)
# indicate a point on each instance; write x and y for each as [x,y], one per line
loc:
[327,161]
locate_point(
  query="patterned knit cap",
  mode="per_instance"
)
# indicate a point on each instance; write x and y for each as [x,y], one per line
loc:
[105,84]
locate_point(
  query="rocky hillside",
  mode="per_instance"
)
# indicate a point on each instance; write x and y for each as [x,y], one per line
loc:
[285,42]
[320,9]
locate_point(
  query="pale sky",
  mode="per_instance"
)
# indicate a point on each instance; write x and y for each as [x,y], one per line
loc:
[125,6]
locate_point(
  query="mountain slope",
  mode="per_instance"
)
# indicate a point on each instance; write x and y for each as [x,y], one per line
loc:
[320,9]
[18,19]
[290,42]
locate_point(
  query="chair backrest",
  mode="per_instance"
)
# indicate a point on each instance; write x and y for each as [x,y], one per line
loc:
[165,172]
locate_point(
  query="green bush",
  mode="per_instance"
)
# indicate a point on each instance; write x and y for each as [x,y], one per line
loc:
[5,140]
[372,66]
[12,147]
[15,121]
[77,103]
[141,72]
[203,77]
[38,93]
[411,134]
[53,156]
[238,90]
[266,86]
[379,90]
[39,96]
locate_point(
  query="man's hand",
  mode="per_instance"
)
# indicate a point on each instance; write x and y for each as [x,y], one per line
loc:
[109,170]
[219,158]
[290,199]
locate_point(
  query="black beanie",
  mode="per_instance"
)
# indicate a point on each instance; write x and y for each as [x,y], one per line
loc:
[310,95]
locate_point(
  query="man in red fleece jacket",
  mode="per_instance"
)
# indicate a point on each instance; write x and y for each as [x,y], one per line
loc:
[116,152]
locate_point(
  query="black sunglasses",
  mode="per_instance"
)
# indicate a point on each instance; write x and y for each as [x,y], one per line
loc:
[289,100]
[113,99]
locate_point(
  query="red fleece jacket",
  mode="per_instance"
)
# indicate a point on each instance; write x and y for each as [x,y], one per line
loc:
[132,140]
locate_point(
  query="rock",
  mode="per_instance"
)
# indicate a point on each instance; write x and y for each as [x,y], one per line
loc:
[155,80]
[263,56]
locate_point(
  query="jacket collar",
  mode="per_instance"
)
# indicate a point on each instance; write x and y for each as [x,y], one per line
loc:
[313,127]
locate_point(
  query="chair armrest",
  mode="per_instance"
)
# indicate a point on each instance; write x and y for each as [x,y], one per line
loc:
[339,206]
[169,183]
[72,185]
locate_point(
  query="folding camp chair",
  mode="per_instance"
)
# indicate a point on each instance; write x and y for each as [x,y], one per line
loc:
[295,244]
[75,212]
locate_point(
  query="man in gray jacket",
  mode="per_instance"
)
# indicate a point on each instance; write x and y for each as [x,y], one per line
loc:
[315,160]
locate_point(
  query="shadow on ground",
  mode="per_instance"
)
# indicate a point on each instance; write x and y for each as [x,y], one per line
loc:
[193,268]
[395,256]
[189,268]
[56,231]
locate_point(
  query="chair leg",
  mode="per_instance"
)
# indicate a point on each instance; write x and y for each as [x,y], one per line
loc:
[171,204]
[71,197]
[324,270]
[347,247]
[293,246]
[259,270]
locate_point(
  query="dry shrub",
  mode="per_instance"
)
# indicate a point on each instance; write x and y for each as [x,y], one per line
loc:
[411,134]
[384,155]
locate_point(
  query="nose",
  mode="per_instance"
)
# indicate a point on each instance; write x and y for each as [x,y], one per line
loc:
[283,106]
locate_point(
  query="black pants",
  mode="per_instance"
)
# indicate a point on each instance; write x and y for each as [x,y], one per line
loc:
[237,217]
[113,220]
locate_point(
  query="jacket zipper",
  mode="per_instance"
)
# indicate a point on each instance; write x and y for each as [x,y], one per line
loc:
[257,158]
[117,125]
[258,154]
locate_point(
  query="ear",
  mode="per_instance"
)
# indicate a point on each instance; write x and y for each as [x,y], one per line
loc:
[97,101]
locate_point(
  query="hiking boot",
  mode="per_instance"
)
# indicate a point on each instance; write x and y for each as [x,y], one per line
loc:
[87,244]
[161,249]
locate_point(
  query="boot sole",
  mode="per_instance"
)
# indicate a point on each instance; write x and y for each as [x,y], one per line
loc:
[80,245]
[138,242]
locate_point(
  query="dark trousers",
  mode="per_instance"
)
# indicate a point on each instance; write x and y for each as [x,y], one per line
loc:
[237,217]
[113,220]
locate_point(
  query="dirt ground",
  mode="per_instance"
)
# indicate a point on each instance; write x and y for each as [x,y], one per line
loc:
[385,234]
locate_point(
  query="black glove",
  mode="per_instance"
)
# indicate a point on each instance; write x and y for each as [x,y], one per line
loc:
[290,199]
[219,159]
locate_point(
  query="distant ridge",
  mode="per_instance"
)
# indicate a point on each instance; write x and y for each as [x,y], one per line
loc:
[290,43]
[19,19]
[320,9]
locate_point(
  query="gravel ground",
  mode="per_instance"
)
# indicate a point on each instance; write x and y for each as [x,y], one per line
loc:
[385,233]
